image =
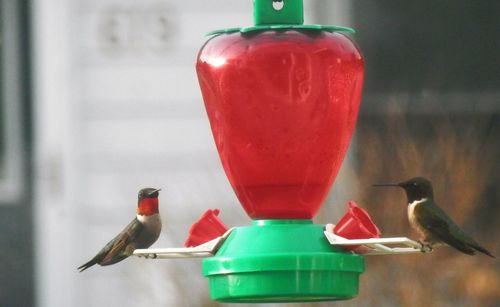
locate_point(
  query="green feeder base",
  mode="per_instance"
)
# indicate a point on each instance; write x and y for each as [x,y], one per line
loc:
[281,261]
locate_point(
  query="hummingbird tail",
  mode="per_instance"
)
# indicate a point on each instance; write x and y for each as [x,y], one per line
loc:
[87,265]
[482,250]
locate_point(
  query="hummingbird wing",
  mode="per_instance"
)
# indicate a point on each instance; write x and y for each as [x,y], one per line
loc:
[118,248]
[436,221]
[122,245]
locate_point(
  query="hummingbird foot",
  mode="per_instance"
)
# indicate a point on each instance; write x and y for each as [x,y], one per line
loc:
[425,247]
[151,256]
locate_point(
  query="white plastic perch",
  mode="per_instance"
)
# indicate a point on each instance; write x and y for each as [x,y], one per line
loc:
[207,249]
[378,246]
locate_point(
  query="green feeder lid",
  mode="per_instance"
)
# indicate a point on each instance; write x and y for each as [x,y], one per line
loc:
[280,15]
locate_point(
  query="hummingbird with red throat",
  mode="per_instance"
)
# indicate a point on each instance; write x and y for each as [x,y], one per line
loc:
[427,218]
[142,232]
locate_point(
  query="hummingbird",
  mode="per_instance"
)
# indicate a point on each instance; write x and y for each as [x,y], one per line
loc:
[142,232]
[432,223]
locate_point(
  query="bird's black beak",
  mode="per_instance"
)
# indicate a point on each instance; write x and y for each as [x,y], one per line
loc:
[154,191]
[387,185]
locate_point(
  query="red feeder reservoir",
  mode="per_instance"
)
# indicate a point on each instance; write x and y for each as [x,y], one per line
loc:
[282,99]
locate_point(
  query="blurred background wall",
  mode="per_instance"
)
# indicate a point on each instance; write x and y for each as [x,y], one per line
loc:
[100,98]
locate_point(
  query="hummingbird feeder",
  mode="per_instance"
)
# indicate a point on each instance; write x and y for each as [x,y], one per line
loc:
[282,99]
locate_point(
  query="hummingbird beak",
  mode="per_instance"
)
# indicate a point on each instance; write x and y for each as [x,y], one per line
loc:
[152,192]
[386,185]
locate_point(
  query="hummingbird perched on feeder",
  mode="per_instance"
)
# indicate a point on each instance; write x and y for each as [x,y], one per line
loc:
[431,221]
[142,232]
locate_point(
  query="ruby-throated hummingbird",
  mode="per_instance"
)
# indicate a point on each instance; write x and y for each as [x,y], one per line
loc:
[142,232]
[431,221]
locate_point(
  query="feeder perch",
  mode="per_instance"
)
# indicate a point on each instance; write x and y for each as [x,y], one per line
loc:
[207,249]
[376,246]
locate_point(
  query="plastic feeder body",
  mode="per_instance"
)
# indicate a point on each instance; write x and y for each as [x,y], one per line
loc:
[282,99]
[282,105]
